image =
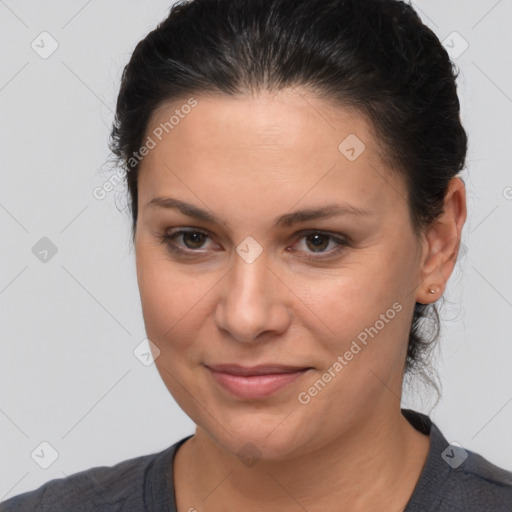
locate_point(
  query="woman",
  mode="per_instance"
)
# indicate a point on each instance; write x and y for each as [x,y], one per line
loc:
[297,211]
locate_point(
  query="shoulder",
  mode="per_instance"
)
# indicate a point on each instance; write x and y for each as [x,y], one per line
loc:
[101,488]
[478,484]
[454,479]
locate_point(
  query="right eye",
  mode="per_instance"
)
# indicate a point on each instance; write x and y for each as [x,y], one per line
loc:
[191,240]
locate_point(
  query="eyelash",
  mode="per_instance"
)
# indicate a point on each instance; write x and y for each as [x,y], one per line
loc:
[169,239]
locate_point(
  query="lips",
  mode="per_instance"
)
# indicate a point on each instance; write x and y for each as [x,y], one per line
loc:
[255,382]
[247,371]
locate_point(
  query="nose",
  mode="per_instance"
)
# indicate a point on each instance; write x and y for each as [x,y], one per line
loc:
[253,303]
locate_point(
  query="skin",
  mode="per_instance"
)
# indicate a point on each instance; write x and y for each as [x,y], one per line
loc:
[350,444]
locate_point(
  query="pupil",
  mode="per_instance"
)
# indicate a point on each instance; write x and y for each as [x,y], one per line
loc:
[196,238]
[317,240]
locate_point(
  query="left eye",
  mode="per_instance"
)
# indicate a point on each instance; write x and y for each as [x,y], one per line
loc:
[319,242]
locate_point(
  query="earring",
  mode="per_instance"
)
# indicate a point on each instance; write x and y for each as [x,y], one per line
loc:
[433,290]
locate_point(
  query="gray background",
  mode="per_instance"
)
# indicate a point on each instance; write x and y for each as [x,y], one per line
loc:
[69,326]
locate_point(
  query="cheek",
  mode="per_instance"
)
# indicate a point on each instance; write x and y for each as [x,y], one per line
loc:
[173,316]
[174,299]
[345,301]
[361,315]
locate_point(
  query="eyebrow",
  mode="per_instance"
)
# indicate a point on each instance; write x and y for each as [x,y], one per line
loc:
[286,220]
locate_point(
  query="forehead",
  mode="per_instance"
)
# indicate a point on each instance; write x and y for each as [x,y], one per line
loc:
[284,146]
[287,119]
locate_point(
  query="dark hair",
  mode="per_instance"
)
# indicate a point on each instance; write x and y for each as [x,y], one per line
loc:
[375,56]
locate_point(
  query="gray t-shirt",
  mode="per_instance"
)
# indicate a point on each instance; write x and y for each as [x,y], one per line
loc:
[452,480]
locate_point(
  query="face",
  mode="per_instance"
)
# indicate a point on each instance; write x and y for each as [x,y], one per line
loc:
[318,303]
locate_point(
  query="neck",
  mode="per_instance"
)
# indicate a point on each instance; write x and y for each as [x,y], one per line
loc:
[375,464]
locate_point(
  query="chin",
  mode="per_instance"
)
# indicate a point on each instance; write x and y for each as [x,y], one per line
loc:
[262,436]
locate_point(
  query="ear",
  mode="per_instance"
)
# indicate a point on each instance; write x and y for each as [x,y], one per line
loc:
[441,244]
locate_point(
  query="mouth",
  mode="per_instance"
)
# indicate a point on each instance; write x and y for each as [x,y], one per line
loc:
[255,382]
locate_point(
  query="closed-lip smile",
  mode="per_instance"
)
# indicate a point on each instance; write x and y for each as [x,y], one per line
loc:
[255,382]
